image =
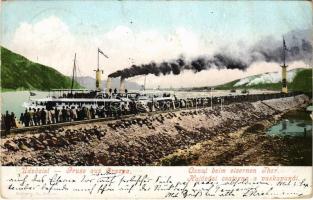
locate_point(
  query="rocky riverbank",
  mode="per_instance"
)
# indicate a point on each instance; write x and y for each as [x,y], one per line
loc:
[144,140]
[248,146]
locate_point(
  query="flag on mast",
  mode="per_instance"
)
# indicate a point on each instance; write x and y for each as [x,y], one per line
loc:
[102,53]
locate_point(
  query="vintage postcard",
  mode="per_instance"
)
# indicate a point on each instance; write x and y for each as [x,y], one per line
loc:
[156,99]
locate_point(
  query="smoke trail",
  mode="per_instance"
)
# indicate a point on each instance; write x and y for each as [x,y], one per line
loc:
[177,66]
[268,50]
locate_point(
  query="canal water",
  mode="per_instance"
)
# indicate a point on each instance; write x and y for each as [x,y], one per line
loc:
[13,101]
[293,123]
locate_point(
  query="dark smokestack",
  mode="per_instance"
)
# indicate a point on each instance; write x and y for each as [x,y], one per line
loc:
[109,81]
[122,85]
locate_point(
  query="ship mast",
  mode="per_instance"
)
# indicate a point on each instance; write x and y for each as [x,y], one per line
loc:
[74,73]
[144,86]
[284,69]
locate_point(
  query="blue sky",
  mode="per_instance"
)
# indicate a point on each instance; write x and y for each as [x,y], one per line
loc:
[242,18]
[50,32]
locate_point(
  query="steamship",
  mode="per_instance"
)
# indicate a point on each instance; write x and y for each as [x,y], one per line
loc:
[98,98]
[122,99]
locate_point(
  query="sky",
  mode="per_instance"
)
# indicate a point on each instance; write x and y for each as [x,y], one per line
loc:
[138,32]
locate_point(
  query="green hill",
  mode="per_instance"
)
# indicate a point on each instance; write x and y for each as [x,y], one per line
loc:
[301,81]
[19,73]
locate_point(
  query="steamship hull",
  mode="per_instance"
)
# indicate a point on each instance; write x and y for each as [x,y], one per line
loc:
[100,100]
[49,103]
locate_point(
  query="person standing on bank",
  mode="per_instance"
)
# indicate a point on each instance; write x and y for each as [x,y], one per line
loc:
[26,118]
[31,114]
[63,113]
[7,121]
[56,115]
[13,120]
[22,120]
[43,116]
[37,115]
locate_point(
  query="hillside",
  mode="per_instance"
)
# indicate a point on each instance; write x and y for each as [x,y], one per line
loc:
[19,73]
[298,80]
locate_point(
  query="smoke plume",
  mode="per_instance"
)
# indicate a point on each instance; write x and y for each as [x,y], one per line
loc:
[267,49]
[177,66]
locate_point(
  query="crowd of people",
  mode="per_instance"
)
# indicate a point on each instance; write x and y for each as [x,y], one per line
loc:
[43,116]
[37,117]
[8,121]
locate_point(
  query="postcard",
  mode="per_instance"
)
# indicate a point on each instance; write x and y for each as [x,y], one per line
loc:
[156,99]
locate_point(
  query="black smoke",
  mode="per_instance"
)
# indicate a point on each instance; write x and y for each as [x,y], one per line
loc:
[299,48]
[177,66]
[268,50]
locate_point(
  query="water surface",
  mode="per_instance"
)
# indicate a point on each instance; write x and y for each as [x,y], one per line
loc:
[293,123]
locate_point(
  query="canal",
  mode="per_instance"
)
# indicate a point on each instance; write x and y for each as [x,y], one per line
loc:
[293,123]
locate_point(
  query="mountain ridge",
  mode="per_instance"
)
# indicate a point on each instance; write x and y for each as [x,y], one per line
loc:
[298,79]
[20,73]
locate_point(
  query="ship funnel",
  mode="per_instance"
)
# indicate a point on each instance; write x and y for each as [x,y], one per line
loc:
[122,85]
[108,86]
[98,79]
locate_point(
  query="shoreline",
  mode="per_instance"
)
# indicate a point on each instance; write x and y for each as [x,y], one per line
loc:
[140,140]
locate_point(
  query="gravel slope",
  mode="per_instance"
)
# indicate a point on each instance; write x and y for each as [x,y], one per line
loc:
[141,140]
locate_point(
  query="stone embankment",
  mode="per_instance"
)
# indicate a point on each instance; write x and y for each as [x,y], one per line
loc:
[140,140]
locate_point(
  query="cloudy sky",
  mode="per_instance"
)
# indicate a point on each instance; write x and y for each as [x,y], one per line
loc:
[129,32]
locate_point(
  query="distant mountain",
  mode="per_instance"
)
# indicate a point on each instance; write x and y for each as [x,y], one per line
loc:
[19,73]
[90,83]
[299,79]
